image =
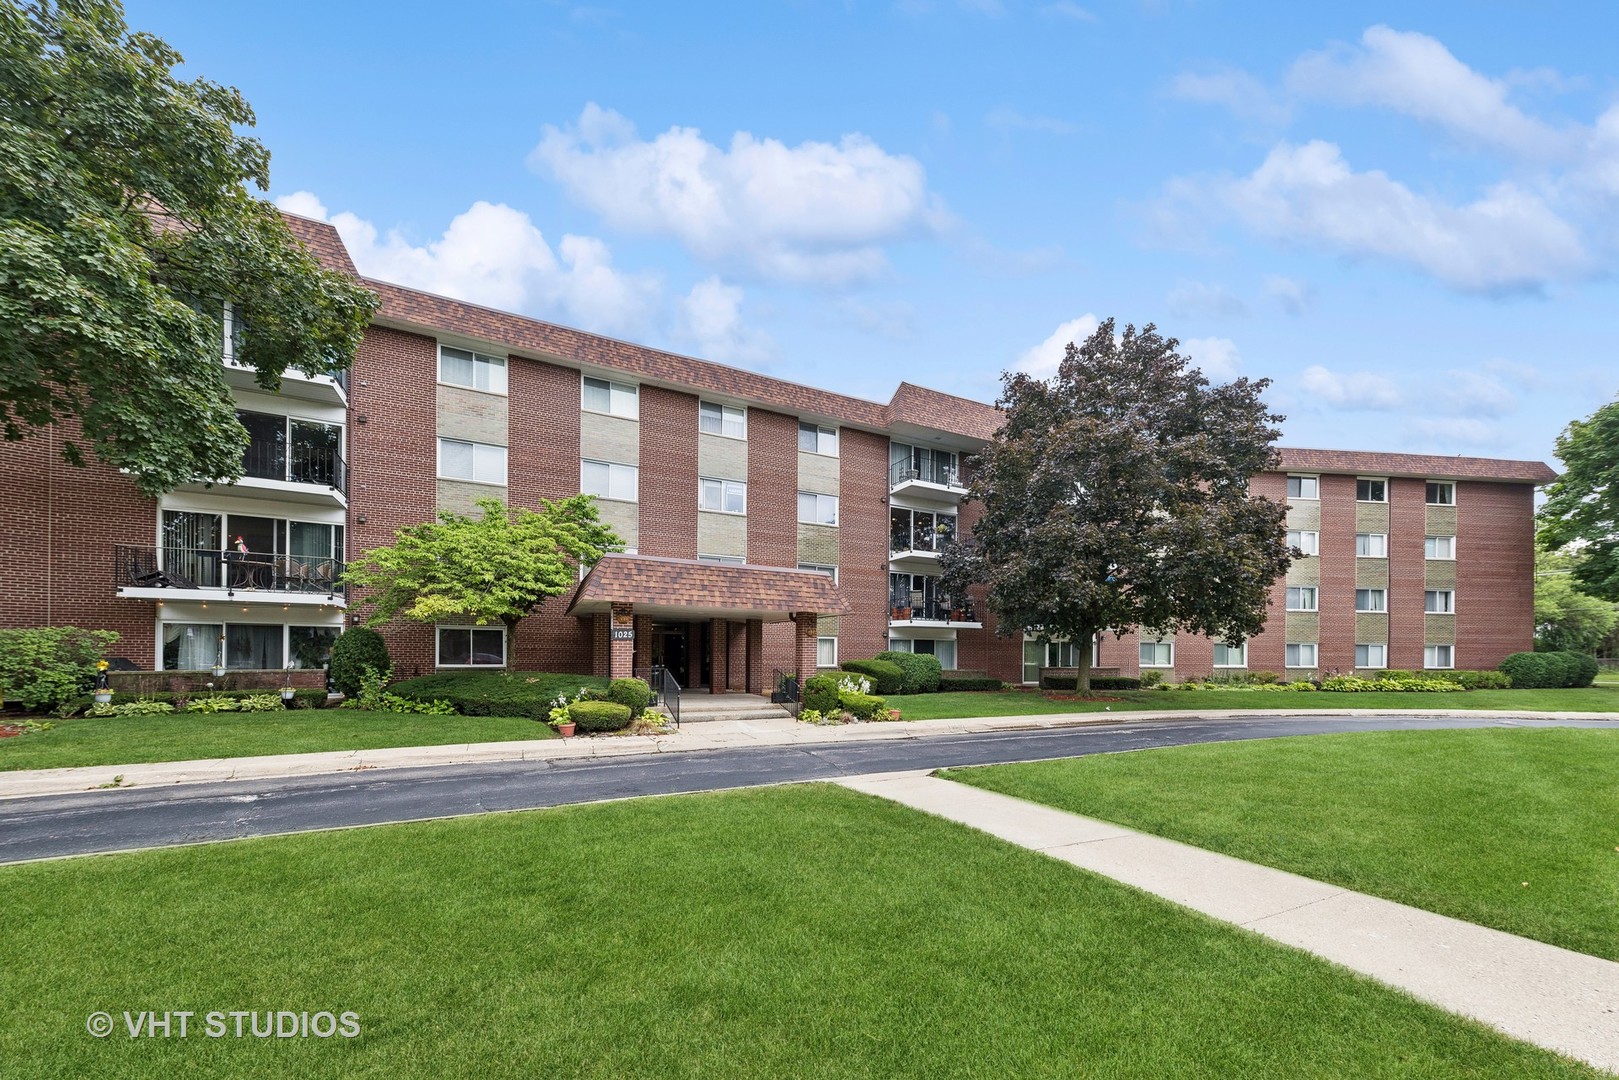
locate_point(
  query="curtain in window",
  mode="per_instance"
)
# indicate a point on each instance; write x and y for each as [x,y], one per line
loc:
[190,646]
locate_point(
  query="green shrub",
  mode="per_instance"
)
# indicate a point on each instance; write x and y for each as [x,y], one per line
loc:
[353,652]
[1401,681]
[131,708]
[530,695]
[260,703]
[863,706]
[1151,679]
[919,672]
[1549,670]
[302,699]
[886,678]
[1475,680]
[42,668]
[821,693]
[634,693]
[950,683]
[599,715]
[1586,670]
[213,704]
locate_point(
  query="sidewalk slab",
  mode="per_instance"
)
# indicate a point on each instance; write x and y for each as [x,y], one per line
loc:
[1555,998]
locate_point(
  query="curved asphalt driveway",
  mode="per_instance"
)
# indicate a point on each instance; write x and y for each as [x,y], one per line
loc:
[102,821]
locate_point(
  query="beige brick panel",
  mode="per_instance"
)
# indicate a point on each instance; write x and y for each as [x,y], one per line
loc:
[1439,629]
[1304,515]
[624,518]
[1305,571]
[721,457]
[828,627]
[1372,517]
[1371,573]
[1441,574]
[1441,521]
[471,415]
[460,496]
[722,534]
[818,544]
[609,438]
[1370,629]
[818,473]
[1302,627]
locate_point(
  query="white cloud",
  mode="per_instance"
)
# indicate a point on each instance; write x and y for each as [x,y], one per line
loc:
[1415,74]
[1459,433]
[1474,394]
[1246,97]
[492,254]
[1216,356]
[710,320]
[1294,295]
[1193,299]
[1509,240]
[1007,119]
[816,213]
[1354,390]
[1042,360]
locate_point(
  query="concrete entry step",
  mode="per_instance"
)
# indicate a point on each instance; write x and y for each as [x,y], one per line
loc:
[700,705]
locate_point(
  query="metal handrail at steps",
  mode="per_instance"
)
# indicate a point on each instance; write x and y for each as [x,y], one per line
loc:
[787,690]
[665,690]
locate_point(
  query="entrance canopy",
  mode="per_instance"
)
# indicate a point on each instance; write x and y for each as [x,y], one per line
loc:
[691,589]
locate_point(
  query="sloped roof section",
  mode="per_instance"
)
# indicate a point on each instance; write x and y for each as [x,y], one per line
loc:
[691,589]
[1430,466]
[922,407]
[321,238]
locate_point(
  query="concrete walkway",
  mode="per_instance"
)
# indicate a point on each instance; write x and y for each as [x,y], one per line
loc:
[713,735]
[1561,1000]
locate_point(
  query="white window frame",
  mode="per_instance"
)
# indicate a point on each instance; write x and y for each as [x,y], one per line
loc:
[820,643]
[1155,644]
[1371,545]
[725,489]
[1359,480]
[623,399]
[1380,596]
[821,568]
[484,451]
[818,500]
[1382,655]
[1430,653]
[615,471]
[1308,481]
[732,422]
[1450,485]
[1315,654]
[1306,540]
[1430,548]
[1314,592]
[723,560]
[1242,651]
[823,435]
[438,650]
[1449,601]
[482,363]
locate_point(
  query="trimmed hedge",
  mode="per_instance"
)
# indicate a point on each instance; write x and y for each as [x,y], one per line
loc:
[863,706]
[1098,682]
[301,699]
[920,672]
[886,678]
[1476,680]
[949,683]
[1549,670]
[634,694]
[820,693]
[599,715]
[497,693]
[353,652]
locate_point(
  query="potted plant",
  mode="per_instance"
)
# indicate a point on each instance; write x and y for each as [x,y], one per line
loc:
[103,688]
[560,719]
[287,694]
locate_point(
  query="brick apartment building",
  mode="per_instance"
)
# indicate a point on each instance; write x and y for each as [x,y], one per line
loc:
[766,524]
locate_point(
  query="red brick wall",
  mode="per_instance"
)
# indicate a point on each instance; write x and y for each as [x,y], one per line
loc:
[1408,522]
[1337,595]
[393,459]
[59,525]
[668,473]
[862,542]
[1495,591]
[1267,650]
[772,515]
[984,650]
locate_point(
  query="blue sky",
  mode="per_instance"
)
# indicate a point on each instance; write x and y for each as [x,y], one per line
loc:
[1406,215]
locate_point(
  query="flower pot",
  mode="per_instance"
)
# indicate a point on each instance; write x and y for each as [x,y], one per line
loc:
[566,730]
[219,673]
[103,697]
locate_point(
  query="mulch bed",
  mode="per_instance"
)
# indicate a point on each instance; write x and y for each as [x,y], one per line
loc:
[8,730]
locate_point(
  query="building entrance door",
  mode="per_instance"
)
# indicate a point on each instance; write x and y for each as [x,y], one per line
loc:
[683,649]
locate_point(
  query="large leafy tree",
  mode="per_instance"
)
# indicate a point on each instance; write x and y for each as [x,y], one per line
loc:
[495,569]
[1582,506]
[1565,617]
[125,224]
[1116,496]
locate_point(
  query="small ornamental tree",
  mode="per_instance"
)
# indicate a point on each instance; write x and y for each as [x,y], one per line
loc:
[1582,505]
[493,569]
[1116,496]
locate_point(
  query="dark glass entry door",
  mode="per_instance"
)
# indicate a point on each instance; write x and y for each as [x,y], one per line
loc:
[683,649]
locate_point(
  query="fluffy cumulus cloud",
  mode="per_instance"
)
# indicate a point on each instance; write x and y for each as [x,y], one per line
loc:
[817,212]
[1041,361]
[710,323]
[1217,357]
[493,254]
[1350,390]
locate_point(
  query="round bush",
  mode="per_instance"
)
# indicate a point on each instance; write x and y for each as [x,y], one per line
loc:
[821,693]
[353,652]
[919,672]
[599,715]
[885,678]
[633,693]
[1586,670]
[1527,670]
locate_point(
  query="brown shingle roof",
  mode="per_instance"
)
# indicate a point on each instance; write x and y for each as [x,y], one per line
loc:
[1435,466]
[321,239]
[658,585]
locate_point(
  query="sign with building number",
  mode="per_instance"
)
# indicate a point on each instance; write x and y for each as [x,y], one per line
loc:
[623,633]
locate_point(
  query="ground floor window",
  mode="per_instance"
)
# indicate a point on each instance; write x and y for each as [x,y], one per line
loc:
[1438,656]
[1301,656]
[471,646]
[1230,655]
[942,648]
[826,652]
[191,646]
[1039,654]
[1157,654]
[310,646]
[253,647]
[1370,656]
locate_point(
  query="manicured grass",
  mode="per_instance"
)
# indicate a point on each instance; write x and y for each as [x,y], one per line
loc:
[127,740]
[1452,821]
[1032,703]
[783,932]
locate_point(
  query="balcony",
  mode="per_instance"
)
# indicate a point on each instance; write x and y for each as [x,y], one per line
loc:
[909,612]
[322,389]
[927,477]
[290,461]
[916,539]
[179,573]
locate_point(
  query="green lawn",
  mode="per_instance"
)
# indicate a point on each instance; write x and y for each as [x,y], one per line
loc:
[1031,703]
[126,740]
[792,931]
[1451,821]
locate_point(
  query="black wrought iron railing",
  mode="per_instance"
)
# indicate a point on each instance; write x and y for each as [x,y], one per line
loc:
[907,609]
[161,567]
[928,471]
[787,690]
[296,464]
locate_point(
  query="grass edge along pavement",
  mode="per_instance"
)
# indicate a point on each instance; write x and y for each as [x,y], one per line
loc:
[889,943]
[1515,829]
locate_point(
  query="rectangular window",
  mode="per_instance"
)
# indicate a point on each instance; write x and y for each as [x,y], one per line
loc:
[722,496]
[1369,490]
[726,560]
[1439,547]
[814,439]
[1307,542]
[614,399]
[1372,545]
[610,480]
[1302,598]
[1157,654]
[1300,656]
[480,462]
[1371,600]
[462,367]
[816,509]
[1230,655]
[1441,493]
[471,646]
[1370,656]
[310,646]
[1439,601]
[1438,656]
[716,419]
[1052,654]
[826,652]
[253,647]
[191,646]
[820,568]
[1303,487]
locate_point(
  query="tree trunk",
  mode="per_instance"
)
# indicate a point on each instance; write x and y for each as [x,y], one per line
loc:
[511,640]
[1082,663]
